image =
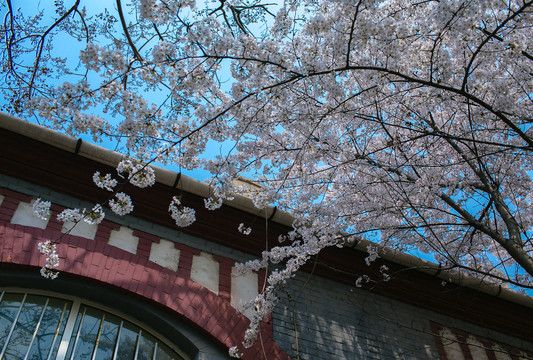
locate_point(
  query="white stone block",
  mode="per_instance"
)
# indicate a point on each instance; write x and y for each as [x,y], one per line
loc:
[81,229]
[244,287]
[451,345]
[477,350]
[165,254]
[500,353]
[205,271]
[123,238]
[24,216]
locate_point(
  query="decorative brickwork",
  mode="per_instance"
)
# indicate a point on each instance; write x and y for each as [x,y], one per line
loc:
[456,344]
[97,260]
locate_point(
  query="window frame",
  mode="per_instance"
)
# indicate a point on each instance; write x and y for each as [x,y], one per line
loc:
[77,303]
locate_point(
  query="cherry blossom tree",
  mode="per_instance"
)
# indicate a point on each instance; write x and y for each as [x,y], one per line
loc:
[406,123]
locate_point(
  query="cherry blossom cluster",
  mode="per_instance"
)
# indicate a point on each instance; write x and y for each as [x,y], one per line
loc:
[121,204]
[362,279]
[70,215]
[183,215]
[138,174]
[234,352]
[263,305]
[93,56]
[372,254]
[104,182]
[49,249]
[384,271]
[41,208]
[92,217]
[244,229]
[95,216]
[213,203]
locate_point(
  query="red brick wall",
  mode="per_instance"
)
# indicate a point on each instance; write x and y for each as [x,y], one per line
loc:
[95,259]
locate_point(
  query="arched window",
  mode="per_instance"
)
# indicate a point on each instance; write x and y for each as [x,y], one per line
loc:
[37,326]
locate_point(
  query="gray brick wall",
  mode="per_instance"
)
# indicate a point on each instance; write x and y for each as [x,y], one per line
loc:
[336,321]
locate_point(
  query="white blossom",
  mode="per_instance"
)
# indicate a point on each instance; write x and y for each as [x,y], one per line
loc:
[126,166]
[244,229]
[95,216]
[74,215]
[372,254]
[212,204]
[361,279]
[104,182]
[121,204]
[49,273]
[138,174]
[143,177]
[234,352]
[49,249]
[384,269]
[184,216]
[41,209]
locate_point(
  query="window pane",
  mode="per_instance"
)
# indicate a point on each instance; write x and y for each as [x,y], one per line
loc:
[26,324]
[73,335]
[108,338]
[41,322]
[146,347]
[9,308]
[87,333]
[51,329]
[127,341]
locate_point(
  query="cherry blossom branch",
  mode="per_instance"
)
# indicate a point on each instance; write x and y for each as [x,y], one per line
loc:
[41,44]
[126,31]
[352,28]
[491,35]
[429,83]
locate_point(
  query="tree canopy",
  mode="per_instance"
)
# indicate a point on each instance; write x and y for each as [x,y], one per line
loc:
[406,123]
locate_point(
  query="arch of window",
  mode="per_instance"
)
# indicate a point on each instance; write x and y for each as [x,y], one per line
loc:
[37,326]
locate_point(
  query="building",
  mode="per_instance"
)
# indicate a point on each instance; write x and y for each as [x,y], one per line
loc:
[139,287]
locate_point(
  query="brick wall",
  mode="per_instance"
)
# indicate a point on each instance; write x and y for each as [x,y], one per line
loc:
[316,318]
[198,288]
[335,321]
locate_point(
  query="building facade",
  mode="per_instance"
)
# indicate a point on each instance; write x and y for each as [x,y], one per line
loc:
[138,287]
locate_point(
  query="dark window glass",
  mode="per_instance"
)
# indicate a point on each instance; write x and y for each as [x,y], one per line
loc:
[127,341]
[146,347]
[9,309]
[48,336]
[108,338]
[33,326]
